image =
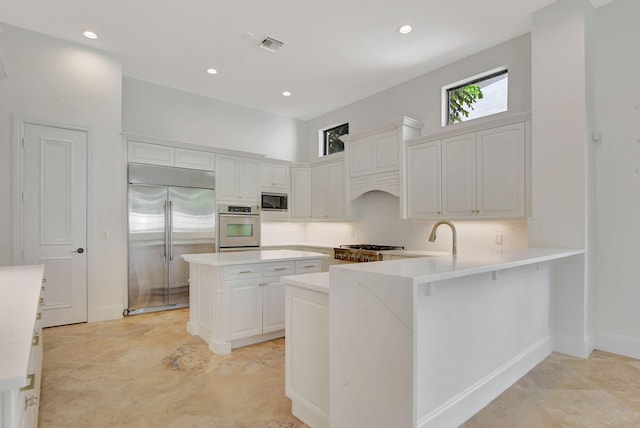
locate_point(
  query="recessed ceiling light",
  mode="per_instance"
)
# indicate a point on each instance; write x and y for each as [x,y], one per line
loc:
[286,94]
[405,29]
[212,71]
[90,35]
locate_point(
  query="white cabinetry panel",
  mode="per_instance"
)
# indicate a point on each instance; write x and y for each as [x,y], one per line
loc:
[500,156]
[301,193]
[424,180]
[245,308]
[459,176]
[236,179]
[274,177]
[157,154]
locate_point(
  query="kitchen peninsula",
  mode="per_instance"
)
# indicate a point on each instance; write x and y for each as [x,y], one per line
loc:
[428,342]
[237,298]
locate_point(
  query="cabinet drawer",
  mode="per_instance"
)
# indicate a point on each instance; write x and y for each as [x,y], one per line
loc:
[242,271]
[277,269]
[308,266]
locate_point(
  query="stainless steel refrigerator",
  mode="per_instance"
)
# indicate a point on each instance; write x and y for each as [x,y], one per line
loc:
[171,211]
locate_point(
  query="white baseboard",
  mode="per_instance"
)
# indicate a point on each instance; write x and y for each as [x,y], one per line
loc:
[618,344]
[106,313]
[466,404]
[573,345]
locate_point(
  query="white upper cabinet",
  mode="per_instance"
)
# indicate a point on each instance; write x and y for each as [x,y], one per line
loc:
[300,201]
[459,176]
[476,175]
[424,180]
[484,173]
[274,177]
[500,171]
[236,179]
[328,191]
[373,157]
[156,154]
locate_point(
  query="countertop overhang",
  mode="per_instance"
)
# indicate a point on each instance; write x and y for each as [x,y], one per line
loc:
[438,268]
[255,256]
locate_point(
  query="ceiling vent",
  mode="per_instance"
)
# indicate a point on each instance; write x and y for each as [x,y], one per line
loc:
[271,45]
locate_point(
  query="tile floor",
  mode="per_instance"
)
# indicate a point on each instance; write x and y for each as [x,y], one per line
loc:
[147,371]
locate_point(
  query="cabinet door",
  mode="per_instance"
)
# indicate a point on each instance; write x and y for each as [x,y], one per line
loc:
[319,192]
[301,193]
[153,154]
[335,191]
[226,178]
[272,304]
[500,154]
[281,176]
[424,181]
[194,159]
[244,305]
[385,152]
[247,180]
[459,176]
[266,174]
[361,157]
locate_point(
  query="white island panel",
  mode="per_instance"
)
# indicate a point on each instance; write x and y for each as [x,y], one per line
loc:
[237,298]
[428,342]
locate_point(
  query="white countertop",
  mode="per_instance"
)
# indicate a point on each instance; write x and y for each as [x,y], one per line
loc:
[415,253]
[318,281]
[256,256]
[19,300]
[446,267]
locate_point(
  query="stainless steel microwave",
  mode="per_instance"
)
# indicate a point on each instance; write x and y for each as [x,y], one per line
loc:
[274,202]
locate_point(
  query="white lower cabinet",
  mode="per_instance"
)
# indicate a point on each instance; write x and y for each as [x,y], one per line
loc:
[307,355]
[20,388]
[238,305]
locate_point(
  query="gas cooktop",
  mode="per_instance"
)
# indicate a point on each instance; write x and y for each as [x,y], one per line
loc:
[362,252]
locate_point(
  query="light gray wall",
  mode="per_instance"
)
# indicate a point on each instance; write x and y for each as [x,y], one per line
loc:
[561,169]
[617,178]
[158,111]
[57,81]
[420,98]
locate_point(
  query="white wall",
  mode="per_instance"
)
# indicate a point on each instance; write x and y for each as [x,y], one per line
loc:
[561,149]
[420,98]
[57,81]
[617,178]
[158,111]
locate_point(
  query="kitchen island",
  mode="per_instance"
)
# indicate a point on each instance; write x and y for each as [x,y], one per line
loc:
[237,298]
[427,342]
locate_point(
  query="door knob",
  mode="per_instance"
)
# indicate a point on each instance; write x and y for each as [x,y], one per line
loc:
[79,251]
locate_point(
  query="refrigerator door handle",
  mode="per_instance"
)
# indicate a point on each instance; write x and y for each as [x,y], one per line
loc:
[170,231]
[166,234]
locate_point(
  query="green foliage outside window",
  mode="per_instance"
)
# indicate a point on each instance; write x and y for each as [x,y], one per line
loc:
[461,100]
[332,141]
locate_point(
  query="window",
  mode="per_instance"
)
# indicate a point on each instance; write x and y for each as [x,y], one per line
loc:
[477,97]
[331,142]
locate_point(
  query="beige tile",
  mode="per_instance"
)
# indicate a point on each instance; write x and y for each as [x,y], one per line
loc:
[147,371]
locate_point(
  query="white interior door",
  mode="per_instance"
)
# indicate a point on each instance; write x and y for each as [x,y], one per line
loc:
[55,218]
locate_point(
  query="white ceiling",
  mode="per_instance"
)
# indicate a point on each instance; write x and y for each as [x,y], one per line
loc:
[335,51]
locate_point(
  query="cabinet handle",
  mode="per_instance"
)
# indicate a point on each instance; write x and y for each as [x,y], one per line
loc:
[245,271]
[262,283]
[41,300]
[308,266]
[44,280]
[42,288]
[36,339]
[32,382]
[39,316]
[280,268]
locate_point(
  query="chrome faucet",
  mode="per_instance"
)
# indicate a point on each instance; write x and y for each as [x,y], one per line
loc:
[432,237]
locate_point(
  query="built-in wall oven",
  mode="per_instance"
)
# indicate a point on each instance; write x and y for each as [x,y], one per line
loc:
[238,227]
